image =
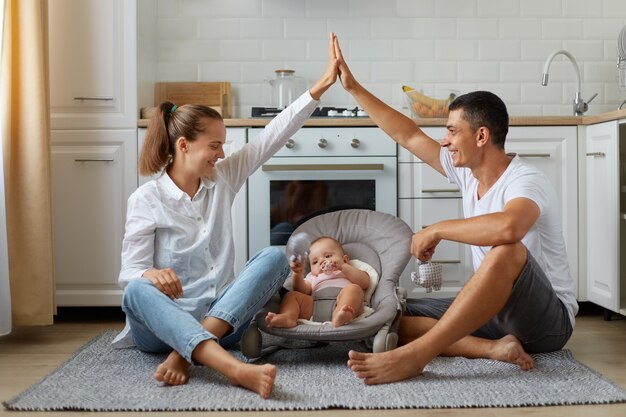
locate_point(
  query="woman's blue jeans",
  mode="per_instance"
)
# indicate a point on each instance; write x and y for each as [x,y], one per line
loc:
[158,324]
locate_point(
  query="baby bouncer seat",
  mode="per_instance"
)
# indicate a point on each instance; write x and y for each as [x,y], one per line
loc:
[380,240]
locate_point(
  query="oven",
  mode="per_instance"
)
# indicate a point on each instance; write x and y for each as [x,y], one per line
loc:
[320,170]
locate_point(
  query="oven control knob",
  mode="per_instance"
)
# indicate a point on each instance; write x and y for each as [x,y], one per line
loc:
[322,143]
[290,144]
[355,143]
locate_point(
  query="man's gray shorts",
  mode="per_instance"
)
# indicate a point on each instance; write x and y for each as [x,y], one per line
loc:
[533,313]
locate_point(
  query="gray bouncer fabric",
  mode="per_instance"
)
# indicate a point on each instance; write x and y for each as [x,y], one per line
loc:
[381,240]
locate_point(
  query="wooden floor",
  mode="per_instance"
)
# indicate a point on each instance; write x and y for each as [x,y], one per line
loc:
[28,354]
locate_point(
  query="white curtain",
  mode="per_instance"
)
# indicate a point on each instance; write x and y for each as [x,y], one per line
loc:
[5,290]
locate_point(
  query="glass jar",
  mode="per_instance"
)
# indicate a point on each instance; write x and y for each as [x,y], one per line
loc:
[286,87]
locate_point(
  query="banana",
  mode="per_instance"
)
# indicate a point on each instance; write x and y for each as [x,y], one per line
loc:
[426,106]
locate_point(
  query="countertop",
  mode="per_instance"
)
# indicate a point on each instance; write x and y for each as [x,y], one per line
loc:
[513,121]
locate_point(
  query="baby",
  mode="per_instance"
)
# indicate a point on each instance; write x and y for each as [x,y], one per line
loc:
[329,268]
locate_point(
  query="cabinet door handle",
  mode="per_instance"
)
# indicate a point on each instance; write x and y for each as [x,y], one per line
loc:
[95,98]
[534,155]
[594,154]
[440,190]
[445,261]
[324,167]
[94,160]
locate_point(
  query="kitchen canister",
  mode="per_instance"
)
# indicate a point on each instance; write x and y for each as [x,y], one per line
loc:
[286,87]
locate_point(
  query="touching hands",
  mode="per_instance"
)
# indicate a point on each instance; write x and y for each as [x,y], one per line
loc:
[345,75]
[166,281]
[330,75]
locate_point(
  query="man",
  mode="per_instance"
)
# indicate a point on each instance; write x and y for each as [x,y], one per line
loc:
[521,297]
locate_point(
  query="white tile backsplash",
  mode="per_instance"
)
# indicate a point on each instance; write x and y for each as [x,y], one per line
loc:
[477,28]
[499,50]
[280,8]
[261,28]
[499,45]
[305,28]
[561,29]
[541,8]
[392,28]
[227,28]
[582,8]
[455,8]
[498,8]
[520,29]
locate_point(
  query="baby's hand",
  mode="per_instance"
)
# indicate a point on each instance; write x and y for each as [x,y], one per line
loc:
[295,263]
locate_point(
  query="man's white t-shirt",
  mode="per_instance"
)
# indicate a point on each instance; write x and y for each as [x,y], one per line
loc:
[544,240]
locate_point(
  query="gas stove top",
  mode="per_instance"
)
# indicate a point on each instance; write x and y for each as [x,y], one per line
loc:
[330,112]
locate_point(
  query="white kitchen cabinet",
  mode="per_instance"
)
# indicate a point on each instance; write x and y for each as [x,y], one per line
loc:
[93,54]
[605,196]
[235,139]
[426,197]
[554,150]
[93,174]
[93,112]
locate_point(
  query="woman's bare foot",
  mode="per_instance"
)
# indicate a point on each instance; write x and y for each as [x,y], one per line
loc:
[509,349]
[380,368]
[343,315]
[173,371]
[280,320]
[257,378]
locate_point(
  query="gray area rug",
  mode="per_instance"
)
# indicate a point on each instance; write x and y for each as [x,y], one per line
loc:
[100,378]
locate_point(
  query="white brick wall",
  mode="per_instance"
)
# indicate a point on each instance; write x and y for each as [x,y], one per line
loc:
[433,45]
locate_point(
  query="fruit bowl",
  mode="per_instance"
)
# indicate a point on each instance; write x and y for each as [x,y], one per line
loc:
[423,106]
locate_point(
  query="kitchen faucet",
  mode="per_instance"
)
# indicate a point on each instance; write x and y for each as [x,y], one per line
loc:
[580,106]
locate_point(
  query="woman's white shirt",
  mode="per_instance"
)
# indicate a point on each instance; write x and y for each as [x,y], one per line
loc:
[165,228]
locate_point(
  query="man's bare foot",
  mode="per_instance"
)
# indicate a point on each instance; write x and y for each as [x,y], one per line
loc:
[173,371]
[280,320]
[257,378]
[509,349]
[380,368]
[343,315]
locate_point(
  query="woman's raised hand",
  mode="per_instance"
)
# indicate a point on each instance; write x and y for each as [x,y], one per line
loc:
[330,75]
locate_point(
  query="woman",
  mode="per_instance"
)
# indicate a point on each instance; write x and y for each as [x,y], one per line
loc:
[180,293]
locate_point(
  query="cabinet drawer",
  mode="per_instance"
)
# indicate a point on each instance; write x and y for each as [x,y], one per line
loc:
[455,257]
[93,174]
[420,213]
[419,180]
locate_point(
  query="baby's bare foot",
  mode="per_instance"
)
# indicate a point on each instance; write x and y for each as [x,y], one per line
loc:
[257,378]
[509,349]
[343,315]
[280,320]
[173,371]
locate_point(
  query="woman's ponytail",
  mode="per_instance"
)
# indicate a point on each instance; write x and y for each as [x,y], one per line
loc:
[156,151]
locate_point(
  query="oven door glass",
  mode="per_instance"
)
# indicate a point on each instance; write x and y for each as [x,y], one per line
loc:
[287,191]
[292,202]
